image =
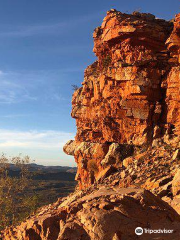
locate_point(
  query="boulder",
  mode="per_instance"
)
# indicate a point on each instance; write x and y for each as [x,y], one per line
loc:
[69,147]
[101,214]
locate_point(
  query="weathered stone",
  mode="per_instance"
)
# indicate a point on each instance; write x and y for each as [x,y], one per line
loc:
[103,214]
[105,173]
[173,79]
[130,95]
[117,152]
[70,147]
[113,156]
[175,203]
[176,183]
[127,161]
[176,154]
[120,98]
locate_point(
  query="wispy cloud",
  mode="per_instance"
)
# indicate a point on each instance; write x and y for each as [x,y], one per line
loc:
[33,139]
[11,116]
[31,86]
[44,29]
[13,93]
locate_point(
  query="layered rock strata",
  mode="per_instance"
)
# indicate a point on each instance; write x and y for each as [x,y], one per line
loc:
[129,96]
[127,145]
[121,99]
[173,79]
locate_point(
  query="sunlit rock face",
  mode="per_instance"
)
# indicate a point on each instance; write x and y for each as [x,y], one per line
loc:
[107,213]
[121,97]
[127,145]
[130,95]
[173,78]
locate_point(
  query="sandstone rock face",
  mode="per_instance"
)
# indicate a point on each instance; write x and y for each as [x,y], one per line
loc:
[105,213]
[121,97]
[176,184]
[127,145]
[173,41]
[70,147]
[173,79]
[130,95]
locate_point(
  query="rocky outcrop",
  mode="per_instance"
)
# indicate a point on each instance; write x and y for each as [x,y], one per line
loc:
[130,95]
[173,42]
[101,213]
[94,158]
[121,99]
[127,145]
[173,79]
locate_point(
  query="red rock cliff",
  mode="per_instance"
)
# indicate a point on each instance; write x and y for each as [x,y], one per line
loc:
[129,96]
[173,78]
[127,146]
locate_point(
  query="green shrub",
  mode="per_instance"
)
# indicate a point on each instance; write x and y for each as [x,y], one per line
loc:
[15,201]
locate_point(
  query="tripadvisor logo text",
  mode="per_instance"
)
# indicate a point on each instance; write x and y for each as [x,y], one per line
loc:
[140,231]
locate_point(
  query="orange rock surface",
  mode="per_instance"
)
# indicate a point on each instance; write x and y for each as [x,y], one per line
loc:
[127,145]
[121,97]
[173,79]
[107,213]
[130,95]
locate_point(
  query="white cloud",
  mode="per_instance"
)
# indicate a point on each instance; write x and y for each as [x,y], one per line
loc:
[10,116]
[12,90]
[33,139]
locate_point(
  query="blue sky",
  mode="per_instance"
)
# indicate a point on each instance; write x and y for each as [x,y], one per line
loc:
[45,45]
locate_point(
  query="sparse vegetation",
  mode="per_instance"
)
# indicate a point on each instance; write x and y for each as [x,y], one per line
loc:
[74,87]
[15,203]
[24,188]
[92,166]
[137,11]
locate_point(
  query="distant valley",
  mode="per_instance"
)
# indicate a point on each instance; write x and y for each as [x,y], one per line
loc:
[48,182]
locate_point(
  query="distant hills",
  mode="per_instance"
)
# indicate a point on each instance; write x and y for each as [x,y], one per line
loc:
[40,172]
[37,167]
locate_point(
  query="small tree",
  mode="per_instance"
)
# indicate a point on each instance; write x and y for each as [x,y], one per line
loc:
[15,201]
[137,11]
